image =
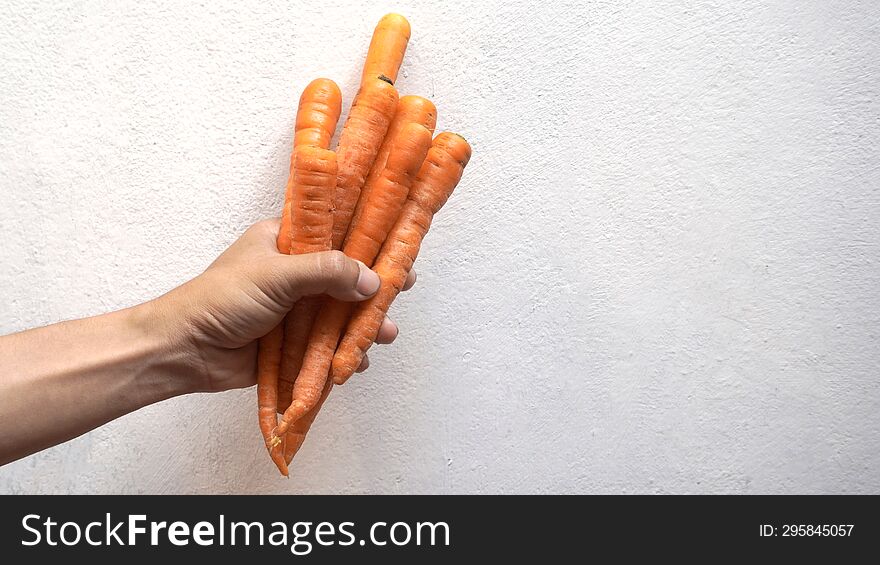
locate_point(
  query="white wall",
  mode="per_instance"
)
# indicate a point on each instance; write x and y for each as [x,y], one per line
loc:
[660,273]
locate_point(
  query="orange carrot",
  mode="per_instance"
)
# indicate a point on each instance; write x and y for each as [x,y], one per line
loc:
[317,114]
[314,183]
[269,352]
[410,109]
[362,135]
[312,227]
[314,180]
[387,196]
[296,434]
[387,47]
[319,107]
[371,113]
[436,180]
[388,192]
[268,364]
[297,326]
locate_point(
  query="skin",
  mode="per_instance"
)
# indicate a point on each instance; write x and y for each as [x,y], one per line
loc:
[60,381]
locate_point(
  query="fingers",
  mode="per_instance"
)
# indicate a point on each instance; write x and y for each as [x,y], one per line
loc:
[263,234]
[268,227]
[365,364]
[290,277]
[330,272]
[387,332]
[410,280]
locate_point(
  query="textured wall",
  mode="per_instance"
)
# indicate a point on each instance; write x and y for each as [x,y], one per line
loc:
[660,273]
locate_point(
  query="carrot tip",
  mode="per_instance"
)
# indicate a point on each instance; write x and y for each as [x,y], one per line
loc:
[278,459]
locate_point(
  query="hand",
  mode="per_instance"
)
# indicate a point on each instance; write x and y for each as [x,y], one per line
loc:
[218,317]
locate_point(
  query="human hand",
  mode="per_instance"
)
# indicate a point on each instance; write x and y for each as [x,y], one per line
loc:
[217,318]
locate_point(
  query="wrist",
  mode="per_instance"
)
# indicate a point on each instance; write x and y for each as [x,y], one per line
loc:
[174,366]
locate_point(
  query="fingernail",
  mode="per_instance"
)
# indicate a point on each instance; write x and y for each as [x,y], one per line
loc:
[368,281]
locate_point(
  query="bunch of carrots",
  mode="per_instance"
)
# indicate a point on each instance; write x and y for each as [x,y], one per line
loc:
[374,199]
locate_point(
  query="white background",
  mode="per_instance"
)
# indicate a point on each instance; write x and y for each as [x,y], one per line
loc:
[659,274]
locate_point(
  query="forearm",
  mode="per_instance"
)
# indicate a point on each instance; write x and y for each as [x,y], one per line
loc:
[63,380]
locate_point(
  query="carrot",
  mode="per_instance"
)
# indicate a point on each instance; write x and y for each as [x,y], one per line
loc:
[371,112]
[269,353]
[318,112]
[409,109]
[387,196]
[436,180]
[268,364]
[312,227]
[296,434]
[314,180]
[363,133]
[388,192]
[387,47]
[297,326]
[314,177]
[319,107]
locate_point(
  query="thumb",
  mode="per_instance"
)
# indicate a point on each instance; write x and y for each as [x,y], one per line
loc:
[328,272]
